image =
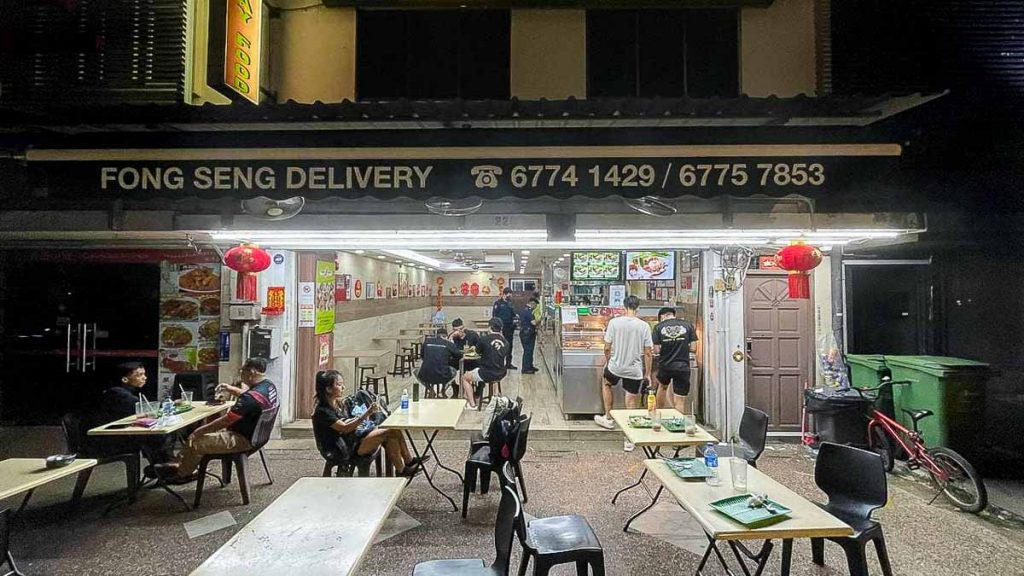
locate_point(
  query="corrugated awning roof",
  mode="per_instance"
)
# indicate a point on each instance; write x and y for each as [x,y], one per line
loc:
[804,111]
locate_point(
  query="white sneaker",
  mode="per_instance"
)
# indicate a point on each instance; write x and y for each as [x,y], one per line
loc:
[468,407]
[604,422]
[628,446]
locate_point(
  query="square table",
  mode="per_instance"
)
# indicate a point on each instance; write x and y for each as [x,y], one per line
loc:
[318,526]
[356,355]
[19,475]
[806,521]
[199,412]
[425,415]
[651,442]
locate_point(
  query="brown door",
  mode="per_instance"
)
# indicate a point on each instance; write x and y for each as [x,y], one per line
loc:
[780,343]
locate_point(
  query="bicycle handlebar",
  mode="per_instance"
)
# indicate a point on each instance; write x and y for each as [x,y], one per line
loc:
[885,382]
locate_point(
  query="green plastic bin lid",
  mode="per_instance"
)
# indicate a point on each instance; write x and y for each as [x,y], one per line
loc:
[872,361]
[938,365]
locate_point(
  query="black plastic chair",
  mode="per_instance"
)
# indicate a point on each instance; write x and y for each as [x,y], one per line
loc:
[347,463]
[5,545]
[482,462]
[504,529]
[753,434]
[260,437]
[74,437]
[855,483]
[556,540]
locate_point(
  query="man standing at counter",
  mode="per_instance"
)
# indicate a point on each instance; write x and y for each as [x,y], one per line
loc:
[628,351]
[504,311]
[673,338]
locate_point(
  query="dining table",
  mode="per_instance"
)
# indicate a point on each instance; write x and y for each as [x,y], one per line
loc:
[651,441]
[429,416]
[317,527]
[695,495]
[131,426]
[357,354]
[24,475]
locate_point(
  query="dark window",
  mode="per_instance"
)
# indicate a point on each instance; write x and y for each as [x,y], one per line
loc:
[433,54]
[665,53]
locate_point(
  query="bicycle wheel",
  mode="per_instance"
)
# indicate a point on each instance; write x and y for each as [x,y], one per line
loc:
[882,445]
[964,488]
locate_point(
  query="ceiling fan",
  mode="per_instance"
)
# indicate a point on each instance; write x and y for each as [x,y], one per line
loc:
[445,207]
[651,205]
[269,209]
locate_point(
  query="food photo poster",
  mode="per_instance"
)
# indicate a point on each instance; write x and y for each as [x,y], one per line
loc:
[190,305]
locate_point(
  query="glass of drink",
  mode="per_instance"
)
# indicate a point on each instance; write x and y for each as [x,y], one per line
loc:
[738,467]
[187,397]
[140,409]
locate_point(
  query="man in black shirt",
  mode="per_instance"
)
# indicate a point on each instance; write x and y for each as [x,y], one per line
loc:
[462,336]
[231,433]
[673,337]
[493,350]
[504,311]
[118,402]
[438,355]
[528,335]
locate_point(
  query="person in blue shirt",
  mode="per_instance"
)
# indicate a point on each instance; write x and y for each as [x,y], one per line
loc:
[504,311]
[528,335]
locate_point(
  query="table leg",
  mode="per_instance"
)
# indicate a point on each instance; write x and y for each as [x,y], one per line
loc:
[651,453]
[787,556]
[437,460]
[355,373]
[24,502]
[761,557]
[713,547]
[644,509]
[426,473]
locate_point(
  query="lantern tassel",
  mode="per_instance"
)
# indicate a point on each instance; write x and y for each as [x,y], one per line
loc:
[799,285]
[245,287]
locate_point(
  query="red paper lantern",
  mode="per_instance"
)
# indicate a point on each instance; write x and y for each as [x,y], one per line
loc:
[247,260]
[797,259]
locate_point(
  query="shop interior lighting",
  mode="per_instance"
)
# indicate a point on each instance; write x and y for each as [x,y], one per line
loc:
[382,257]
[360,251]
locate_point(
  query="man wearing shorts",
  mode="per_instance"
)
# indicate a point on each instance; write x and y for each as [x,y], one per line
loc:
[673,337]
[627,355]
[494,351]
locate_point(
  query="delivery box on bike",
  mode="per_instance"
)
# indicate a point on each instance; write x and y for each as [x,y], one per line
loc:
[839,416]
[952,388]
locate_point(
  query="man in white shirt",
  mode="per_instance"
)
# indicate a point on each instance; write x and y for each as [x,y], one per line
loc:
[628,352]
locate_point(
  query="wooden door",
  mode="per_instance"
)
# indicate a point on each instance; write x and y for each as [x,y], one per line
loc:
[780,344]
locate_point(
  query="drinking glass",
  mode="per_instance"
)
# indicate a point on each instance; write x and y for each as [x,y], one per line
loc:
[140,409]
[738,466]
[187,397]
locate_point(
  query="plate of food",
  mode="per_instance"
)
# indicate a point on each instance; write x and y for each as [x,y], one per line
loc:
[201,279]
[178,361]
[209,306]
[649,266]
[176,335]
[208,356]
[177,308]
[209,330]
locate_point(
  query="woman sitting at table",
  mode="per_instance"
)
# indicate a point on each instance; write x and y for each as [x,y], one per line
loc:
[338,418]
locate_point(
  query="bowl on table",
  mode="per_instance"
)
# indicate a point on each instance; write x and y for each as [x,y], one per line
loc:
[59,460]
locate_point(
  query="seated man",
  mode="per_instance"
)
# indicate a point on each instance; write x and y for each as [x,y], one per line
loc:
[118,402]
[232,432]
[493,350]
[438,355]
[462,337]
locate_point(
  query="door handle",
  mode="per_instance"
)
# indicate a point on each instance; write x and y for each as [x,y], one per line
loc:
[750,346]
[67,350]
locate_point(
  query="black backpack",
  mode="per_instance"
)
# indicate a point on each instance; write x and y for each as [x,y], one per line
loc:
[504,430]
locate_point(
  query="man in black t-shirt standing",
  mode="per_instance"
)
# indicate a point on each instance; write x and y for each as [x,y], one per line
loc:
[438,355]
[673,337]
[493,350]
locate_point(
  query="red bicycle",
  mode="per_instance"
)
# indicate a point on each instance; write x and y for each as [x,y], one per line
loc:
[951,472]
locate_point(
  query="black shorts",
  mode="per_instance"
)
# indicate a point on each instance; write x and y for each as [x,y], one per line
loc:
[679,379]
[628,384]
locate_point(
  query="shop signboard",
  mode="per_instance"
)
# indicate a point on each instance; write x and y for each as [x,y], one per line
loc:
[324,297]
[190,328]
[243,43]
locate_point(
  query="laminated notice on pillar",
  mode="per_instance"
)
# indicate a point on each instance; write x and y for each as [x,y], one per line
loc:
[569,315]
[307,304]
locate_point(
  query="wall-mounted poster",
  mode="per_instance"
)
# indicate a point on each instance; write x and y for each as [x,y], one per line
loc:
[307,304]
[324,297]
[189,329]
[371,290]
[343,287]
[324,350]
[651,265]
[357,289]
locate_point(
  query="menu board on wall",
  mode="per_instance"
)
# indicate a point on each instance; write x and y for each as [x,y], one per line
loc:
[324,297]
[596,266]
[651,265]
[190,306]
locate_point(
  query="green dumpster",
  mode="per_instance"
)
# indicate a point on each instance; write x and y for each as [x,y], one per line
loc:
[952,388]
[867,371]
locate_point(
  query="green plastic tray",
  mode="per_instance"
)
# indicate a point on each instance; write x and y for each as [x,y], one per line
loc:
[181,409]
[674,424]
[696,468]
[735,508]
[640,422]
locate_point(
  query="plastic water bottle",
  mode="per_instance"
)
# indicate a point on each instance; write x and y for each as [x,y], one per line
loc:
[167,409]
[711,461]
[404,406]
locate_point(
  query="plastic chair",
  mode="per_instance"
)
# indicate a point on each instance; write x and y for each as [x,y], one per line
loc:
[753,434]
[74,438]
[504,528]
[481,459]
[556,540]
[7,558]
[260,437]
[339,456]
[855,483]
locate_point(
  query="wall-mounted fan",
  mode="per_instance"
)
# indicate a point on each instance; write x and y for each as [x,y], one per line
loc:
[651,205]
[269,209]
[445,207]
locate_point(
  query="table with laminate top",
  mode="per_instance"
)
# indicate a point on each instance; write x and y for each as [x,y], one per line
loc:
[429,416]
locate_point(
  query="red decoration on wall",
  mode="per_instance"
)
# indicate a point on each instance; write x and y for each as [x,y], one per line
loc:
[797,259]
[247,260]
[275,301]
[464,288]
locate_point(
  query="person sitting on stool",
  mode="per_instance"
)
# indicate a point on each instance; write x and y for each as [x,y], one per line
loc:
[438,355]
[493,350]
